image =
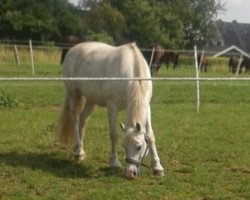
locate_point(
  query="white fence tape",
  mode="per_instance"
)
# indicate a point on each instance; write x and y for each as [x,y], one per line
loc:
[122,79]
[197,79]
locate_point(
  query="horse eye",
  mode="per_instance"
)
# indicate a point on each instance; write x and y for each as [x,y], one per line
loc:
[138,148]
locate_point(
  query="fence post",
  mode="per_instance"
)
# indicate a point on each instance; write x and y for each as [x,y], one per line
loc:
[16,55]
[31,57]
[151,58]
[238,67]
[202,54]
[197,79]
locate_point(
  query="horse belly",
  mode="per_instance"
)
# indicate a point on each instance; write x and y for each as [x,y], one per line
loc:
[91,91]
[102,92]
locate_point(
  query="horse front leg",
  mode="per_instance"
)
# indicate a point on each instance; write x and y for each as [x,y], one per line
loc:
[156,166]
[112,116]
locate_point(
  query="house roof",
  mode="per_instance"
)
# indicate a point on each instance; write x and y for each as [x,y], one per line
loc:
[237,34]
[231,37]
[235,48]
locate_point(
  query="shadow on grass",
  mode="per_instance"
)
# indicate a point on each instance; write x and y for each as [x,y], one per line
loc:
[57,166]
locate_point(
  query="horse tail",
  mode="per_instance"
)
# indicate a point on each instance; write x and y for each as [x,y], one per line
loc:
[64,128]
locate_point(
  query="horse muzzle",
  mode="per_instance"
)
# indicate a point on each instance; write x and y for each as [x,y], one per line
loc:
[132,171]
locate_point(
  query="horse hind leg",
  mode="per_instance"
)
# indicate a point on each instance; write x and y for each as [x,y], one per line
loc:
[205,68]
[87,110]
[76,107]
[157,69]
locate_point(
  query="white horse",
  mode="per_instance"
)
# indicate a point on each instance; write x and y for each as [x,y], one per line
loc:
[95,59]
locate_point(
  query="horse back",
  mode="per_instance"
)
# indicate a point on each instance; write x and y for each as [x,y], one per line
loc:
[94,59]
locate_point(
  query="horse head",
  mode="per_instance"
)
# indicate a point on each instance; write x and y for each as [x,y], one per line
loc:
[136,147]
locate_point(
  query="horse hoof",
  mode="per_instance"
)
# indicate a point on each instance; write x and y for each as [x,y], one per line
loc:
[79,158]
[158,172]
[116,165]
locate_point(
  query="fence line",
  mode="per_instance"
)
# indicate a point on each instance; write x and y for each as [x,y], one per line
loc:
[62,45]
[123,79]
[197,78]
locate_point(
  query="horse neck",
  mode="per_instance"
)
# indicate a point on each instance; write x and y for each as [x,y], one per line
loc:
[138,103]
[139,93]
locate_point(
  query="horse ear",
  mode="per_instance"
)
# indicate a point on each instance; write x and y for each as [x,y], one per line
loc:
[123,127]
[138,127]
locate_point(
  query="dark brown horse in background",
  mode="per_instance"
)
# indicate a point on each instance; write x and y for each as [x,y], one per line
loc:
[202,62]
[68,42]
[233,64]
[170,57]
[245,64]
[155,60]
[160,56]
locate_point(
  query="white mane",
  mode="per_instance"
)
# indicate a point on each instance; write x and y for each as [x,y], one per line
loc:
[139,93]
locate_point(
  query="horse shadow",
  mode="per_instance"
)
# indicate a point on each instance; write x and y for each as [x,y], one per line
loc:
[50,162]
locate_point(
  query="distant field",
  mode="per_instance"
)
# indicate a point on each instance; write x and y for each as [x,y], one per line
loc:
[205,155]
[47,59]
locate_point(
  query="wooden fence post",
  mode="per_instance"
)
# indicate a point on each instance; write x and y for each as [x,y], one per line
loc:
[16,55]
[239,64]
[202,54]
[197,79]
[32,58]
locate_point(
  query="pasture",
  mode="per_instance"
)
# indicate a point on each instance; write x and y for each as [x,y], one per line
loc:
[205,155]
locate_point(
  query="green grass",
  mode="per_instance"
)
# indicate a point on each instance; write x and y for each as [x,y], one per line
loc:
[25,70]
[205,155]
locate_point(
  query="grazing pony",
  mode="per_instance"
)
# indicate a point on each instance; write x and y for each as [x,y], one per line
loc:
[68,42]
[170,57]
[245,64]
[203,64]
[161,56]
[232,64]
[95,59]
[156,59]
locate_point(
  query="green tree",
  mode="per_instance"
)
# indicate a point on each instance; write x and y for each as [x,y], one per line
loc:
[148,22]
[198,18]
[102,18]
[172,23]
[40,20]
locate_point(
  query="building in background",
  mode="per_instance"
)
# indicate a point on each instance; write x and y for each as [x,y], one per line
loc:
[231,37]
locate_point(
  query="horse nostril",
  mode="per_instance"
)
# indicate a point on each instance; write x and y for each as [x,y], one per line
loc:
[135,174]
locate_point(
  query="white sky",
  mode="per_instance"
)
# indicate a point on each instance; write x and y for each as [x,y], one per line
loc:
[238,10]
[73,1]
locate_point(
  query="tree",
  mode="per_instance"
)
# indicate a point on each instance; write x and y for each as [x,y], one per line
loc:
[148,22]
[174,23]
[171,23]
[198,18]
[102,18]
[40,20]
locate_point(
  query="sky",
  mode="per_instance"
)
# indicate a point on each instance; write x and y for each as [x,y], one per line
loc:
[238,10]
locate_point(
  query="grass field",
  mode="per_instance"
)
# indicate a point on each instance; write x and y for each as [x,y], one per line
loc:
[205,155]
